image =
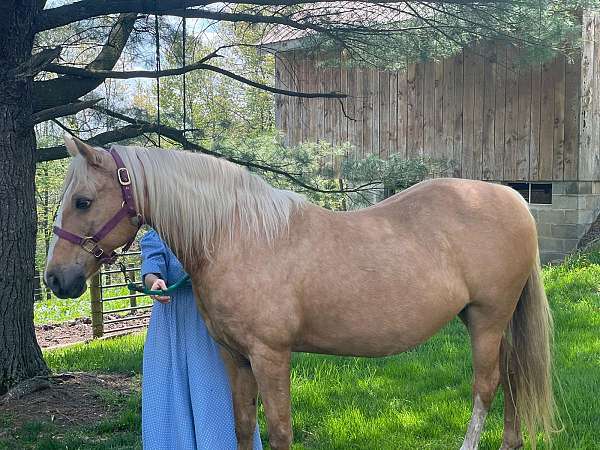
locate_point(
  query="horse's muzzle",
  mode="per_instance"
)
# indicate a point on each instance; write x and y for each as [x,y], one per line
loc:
[66,282]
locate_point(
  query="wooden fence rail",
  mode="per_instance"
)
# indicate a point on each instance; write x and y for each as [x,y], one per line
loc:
[40,291]
[119,319]
[102,288]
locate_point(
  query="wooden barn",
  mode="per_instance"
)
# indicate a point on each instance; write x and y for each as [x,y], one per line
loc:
[535,127]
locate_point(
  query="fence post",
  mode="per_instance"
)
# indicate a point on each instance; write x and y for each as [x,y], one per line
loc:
[38,289]
[132,298]
[96,304]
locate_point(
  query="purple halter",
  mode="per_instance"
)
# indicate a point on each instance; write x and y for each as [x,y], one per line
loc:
[90,244]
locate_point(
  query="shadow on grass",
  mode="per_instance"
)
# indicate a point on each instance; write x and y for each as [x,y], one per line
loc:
[121,431]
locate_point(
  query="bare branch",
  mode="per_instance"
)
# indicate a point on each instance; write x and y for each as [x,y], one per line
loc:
[248,18]
[86,9]
[103,74]
[272,89]
[62,110]
[59,91]
[127,132]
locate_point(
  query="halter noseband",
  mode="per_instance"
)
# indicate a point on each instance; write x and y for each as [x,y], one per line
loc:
[90,244]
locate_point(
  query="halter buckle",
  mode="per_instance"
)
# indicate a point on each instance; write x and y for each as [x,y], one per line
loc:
[123,176]
[91,246]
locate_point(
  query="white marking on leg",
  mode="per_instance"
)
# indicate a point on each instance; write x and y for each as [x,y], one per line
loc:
[475,429]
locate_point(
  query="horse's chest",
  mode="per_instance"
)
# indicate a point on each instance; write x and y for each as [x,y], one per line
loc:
[223,320]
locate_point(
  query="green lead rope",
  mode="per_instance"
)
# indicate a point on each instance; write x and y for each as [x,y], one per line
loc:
[140,287]
[143,290]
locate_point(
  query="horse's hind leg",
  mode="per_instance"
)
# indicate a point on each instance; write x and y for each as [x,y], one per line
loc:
[486,336]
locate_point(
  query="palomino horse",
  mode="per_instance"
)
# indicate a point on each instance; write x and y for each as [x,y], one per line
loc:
[275,274]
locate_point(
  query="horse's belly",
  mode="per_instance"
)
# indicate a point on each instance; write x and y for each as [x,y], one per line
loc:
[392,347]
[378,329]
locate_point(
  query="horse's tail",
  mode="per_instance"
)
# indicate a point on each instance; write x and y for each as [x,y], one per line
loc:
[530,358]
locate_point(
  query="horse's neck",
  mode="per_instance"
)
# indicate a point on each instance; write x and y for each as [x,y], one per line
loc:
[166,214]
[185,212]
[196,203]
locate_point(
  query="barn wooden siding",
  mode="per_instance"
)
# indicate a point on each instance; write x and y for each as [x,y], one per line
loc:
[589,152]
[490,117]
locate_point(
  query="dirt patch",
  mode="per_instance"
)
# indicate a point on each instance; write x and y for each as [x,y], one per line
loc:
[70,399]
[54,334]
[80,330]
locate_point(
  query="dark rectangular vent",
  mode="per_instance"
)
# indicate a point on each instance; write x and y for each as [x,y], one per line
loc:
[537,193]
[541,193]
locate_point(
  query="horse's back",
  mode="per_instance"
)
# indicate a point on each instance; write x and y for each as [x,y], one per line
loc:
[484,229]
[476,219]
[456,195]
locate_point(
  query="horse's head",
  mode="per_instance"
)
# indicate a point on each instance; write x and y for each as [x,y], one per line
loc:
[93,220]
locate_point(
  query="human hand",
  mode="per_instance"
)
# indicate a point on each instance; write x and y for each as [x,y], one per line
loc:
[157,285]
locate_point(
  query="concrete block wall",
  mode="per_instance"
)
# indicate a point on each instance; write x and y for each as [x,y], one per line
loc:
[575,206]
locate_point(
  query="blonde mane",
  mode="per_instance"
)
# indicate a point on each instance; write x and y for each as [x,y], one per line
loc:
[197,199]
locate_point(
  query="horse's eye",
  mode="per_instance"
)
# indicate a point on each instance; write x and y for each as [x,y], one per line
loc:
[82,203]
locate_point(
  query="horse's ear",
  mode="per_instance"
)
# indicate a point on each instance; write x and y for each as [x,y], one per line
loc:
[76,147]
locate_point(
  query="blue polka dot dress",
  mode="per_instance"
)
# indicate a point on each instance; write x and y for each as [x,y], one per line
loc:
[186,396]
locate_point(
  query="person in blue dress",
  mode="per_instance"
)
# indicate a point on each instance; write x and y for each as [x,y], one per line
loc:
[186,396]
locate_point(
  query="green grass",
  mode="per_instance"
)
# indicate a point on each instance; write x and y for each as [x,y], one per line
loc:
[56,310]
[419,399]
[121,354]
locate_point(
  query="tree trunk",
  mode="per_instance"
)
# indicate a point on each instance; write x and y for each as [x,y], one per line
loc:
[20,355]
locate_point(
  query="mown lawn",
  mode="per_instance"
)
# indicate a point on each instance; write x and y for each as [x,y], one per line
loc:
[417,400]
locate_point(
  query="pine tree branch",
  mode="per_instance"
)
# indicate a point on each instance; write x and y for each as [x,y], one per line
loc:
[138,127]
[86,9]
[179,137]
[62,110]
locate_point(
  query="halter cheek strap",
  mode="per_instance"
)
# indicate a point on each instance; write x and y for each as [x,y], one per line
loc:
[90,243]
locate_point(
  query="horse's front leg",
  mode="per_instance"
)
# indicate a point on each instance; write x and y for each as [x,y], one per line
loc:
[272,371]
[244,392]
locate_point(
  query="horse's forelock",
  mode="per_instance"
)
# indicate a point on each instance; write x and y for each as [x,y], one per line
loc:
[79,176]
